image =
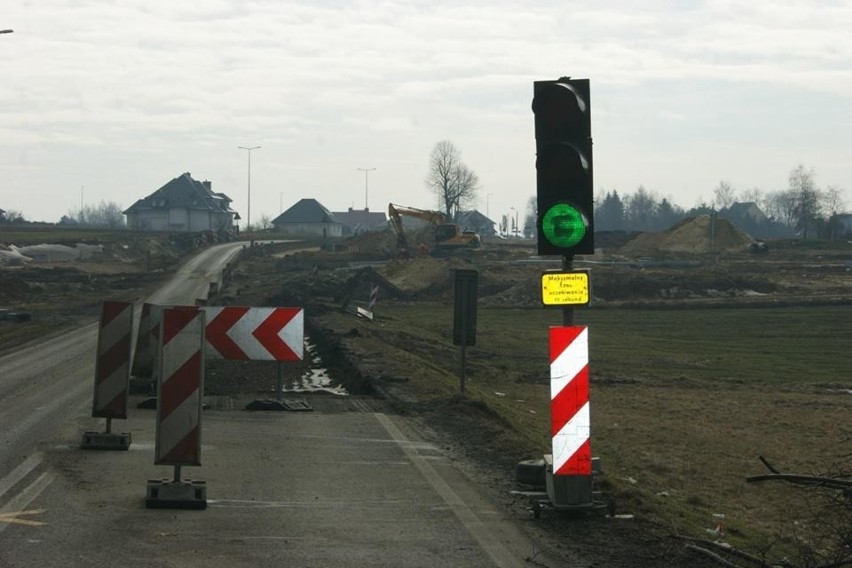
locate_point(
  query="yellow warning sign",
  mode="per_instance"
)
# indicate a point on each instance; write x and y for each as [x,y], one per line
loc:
[565,288]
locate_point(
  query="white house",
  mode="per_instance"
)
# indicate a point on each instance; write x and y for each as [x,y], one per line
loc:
[185,205]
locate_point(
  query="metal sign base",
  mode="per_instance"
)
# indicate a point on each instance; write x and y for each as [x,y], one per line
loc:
[105,441]
[572,493]
[176,494]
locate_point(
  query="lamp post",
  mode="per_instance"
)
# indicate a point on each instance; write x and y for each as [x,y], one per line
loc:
[248,203]
[366,185]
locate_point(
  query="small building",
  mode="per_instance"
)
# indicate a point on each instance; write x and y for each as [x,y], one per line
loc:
[182,205]
[476,221]
[745,211]
[308,218]
[357,221]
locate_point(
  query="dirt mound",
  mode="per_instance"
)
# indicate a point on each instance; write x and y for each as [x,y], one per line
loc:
[420,274]
[695,235]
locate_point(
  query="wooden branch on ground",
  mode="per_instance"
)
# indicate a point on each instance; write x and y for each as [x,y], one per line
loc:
[809,480]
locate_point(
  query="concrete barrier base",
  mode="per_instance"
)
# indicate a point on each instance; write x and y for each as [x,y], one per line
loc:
[105,441]
[170,494]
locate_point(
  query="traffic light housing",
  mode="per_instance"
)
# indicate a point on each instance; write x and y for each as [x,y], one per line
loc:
[564,186]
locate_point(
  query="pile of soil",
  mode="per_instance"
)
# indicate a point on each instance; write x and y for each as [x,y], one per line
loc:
[695,235]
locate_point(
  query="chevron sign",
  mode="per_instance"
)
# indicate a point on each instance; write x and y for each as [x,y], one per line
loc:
[255,334]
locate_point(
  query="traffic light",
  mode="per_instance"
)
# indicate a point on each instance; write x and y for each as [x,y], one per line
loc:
[563,139]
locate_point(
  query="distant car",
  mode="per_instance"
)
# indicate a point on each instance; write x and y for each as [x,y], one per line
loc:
[758,247]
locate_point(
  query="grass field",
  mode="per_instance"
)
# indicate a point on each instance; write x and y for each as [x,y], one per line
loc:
[683,401]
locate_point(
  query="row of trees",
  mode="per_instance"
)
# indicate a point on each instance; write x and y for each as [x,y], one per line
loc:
[803,209]
[104,214]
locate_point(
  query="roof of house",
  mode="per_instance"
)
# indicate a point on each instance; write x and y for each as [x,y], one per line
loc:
[473,218]
[184,192]
[746,209]
[361,218]
[306,210]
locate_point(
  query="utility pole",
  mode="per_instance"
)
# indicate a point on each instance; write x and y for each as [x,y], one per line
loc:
[366,185]
[248,203]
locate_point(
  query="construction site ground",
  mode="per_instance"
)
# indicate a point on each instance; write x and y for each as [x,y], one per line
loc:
[703,358]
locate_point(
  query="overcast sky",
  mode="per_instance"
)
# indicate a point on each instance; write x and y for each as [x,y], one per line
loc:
[109,100]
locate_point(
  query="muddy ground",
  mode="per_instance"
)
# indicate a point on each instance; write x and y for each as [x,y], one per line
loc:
[331,284]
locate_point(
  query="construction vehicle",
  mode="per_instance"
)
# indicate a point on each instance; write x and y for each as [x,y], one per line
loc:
[449,237]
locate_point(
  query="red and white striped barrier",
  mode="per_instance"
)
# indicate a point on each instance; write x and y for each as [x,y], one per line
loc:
[180,387]
[112,368]
[569,396]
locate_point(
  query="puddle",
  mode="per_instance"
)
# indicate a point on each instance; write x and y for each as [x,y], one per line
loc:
[316,378]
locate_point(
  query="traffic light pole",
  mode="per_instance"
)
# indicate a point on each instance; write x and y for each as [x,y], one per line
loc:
[567,311]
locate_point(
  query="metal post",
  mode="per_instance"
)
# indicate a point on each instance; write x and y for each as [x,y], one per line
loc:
[567,311]
[280,381]
[109,425]
[366,185]
[463,365]
[177,474]
[248,203]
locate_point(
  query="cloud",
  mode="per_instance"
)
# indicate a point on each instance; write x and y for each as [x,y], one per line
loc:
[130,94]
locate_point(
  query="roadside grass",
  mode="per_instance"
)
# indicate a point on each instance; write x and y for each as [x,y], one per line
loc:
[10,233]
[683,401]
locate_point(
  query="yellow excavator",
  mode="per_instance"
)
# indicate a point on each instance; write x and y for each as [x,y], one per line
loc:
[449,237]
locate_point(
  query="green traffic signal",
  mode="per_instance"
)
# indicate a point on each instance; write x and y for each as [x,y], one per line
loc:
[564,225]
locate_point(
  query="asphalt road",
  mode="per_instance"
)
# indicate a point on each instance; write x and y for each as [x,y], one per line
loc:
[348,484]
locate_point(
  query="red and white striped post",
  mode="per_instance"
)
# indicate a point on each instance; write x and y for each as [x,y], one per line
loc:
[374,295]
[112,375]
[569,415]
[179,402]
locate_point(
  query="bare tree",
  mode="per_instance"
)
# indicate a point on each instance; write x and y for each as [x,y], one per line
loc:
[450,179]
[780,206]
[640,209]
[753,195]
[803,190]
[724,195]
[105,214]
[832,200]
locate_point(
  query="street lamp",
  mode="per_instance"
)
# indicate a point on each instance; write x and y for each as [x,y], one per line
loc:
[515,224]
[366,185]
[248,204]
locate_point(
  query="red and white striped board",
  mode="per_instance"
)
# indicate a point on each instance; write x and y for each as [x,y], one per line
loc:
[569,400]
[112,367]
[255,334]
[180,387]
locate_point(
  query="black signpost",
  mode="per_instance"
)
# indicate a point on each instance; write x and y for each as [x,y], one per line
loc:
[464,315]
